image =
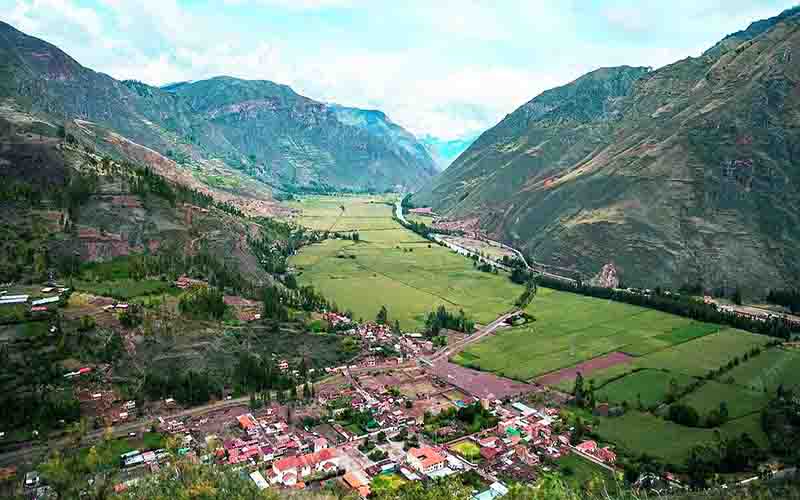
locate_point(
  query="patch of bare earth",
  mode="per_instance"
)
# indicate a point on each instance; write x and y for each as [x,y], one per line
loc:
[585,368]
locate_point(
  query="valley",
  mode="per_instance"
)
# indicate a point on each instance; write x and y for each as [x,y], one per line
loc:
[222,288]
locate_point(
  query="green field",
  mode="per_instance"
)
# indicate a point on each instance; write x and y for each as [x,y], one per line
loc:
[572,328]
[768,370]
[697,357]
[651,386]
[392,266]
[578,472]
[740,401]
[639,433]
[386,483]
[468,450]
[124,289]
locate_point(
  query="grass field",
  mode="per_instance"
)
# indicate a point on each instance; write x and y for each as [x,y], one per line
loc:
[468,450]
[651,386]
[740,401]
[577,472]
[770,369]
[386,483]
[640,433]
[697,357]
[124,289]
[572,328]
[392,266]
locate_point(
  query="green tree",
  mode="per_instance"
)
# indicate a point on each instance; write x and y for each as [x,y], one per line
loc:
[578,391]
[382,317]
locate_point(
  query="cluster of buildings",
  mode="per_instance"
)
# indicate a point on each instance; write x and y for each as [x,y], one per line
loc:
[592,449]
[49,297]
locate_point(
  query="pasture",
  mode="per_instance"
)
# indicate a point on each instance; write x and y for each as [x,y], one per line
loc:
[770,369]
[648,386]
[740,401]
[392,266]
[638,433]
[571,328]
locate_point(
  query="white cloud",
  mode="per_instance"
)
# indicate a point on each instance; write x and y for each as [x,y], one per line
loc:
[455,67]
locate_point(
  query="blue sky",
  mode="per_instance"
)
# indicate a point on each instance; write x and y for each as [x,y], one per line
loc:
[444,68]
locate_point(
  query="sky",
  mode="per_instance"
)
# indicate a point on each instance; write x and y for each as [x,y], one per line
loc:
[447,69]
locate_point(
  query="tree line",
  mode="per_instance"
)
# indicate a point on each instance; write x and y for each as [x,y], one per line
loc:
[680,306]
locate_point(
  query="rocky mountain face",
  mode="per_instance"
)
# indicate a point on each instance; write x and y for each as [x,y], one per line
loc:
[683,174]
[255,129]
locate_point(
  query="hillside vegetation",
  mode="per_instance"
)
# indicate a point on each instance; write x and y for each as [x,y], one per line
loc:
[224,131]
[680,174]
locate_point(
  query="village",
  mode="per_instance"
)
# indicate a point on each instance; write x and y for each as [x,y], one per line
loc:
[396,424]
[386,418]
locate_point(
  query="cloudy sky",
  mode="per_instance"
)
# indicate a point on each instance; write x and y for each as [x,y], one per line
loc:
[445,68]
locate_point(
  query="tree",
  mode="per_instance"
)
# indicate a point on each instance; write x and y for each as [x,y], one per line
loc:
[531,288]
[578,391]
[673,392]
[737,297]
[396,328]
[591,402]
[383,316]
[723,411]
[684,414]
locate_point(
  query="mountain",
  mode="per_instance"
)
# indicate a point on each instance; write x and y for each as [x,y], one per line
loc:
[683,174]
[445,152]
[221,127]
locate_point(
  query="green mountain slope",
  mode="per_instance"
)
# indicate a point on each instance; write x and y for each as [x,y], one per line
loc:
[686,173]
[255,129]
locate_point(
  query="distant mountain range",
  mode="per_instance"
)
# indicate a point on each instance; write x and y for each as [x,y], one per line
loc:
[255,129]
[688,173]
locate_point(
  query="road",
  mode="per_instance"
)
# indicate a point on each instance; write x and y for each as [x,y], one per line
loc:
[32,450]
[450,350]
[536,267]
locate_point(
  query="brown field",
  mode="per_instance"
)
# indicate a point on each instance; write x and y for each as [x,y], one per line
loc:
[481,385]
[599,363]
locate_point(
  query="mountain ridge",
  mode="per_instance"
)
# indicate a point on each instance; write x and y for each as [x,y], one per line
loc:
[267,131]
[680,174]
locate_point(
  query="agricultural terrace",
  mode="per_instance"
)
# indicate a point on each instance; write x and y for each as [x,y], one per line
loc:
[571,328]
[391,266]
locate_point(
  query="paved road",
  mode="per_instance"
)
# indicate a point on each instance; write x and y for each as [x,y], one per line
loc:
[450,350]
[33,449]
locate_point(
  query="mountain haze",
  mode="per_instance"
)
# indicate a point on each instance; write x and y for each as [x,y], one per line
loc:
[683,174]
[251,129]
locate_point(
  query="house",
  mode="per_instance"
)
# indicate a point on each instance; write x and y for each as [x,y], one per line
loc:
[356,484]
[589,447]
[320,444]
[524,409]
[606,455]
[257,478]
[288,470]
[489,454]
[526,455]
[425,460]
[489,442]
[504,425]
[247,422]
[496,490]
[45,301]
